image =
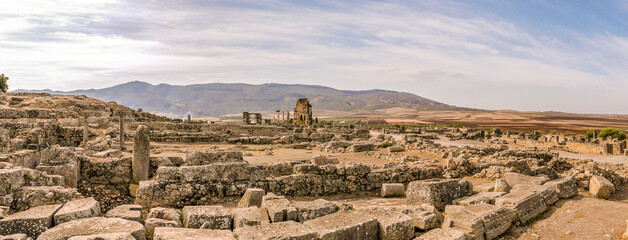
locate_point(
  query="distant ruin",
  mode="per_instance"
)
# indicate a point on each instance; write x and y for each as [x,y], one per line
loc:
[303,112]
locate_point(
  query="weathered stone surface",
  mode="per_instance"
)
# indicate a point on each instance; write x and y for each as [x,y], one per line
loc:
[444,234]
[198,158]
[438,192]
[77,209]
[31,222]
[566,187]
[170,233]
[314,209]
[105,236]
[345,225]
[213,217]
[626,233]
[496,220]
[250,216]
[601,187]
[361,147]
[393,225]
[15,237]
[279,208]
[323,160]
[548,193]
[128,211]
[527,205]
[515,178]
[482,197]
[162,217]
[29,197]
[91,226]
[141,154]
[471,224]
[393,190]
[502,185]
[252,197]
[288,230]
[486,187]
[421,218]
[151,223]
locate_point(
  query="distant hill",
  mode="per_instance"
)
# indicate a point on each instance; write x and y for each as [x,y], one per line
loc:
[217,99]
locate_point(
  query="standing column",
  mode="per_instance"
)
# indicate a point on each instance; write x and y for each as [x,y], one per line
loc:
[189,118]
[122,148]
[141,154]
[85,130]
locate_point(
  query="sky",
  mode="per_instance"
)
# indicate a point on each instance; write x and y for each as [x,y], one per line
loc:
[563,55]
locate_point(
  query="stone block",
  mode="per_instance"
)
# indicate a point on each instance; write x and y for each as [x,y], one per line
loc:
[443,234]
[314,209]
[198,158]
[496,219]
[566,187]
[601,187]
[393,190]
[502,185]
[306,168]
[279,208]
[128,211]
[171,233]
[393,224]
[515,178]
[486,187]
[345,225]
[323,160]
[361,147]
[252,197]
[288,230]
[251,216]
[213,217]
[527,205]
[470,224]
[31,222]
[77,209]
[482,197]
[105,236]
[548,193]
[162,217]
[421,218]
[15,237]
[92,226]
[437,192]
[151,223]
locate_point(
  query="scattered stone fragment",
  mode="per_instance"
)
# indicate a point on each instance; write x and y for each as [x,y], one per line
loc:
[566,187]
[393,190]
[502,185]
[601,187]
[275,231]
[252,197]
[31,222]
[170,233]
[251,216]
[127,211]
[91,226]
[214,217]
[437,192]
[279,208]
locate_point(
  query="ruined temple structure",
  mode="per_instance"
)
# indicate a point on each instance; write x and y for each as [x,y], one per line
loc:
[303,112]
[246,118]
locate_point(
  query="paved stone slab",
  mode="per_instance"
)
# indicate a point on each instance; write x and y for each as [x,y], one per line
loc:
[128,211]
[279,208]
[170,233]
[288,230]
[566,187]
[444,234]
[437,192]
[91,226]
[548,193]
[482,197]
[393,190]
[314,209]
[345,225]
[515,178]
[527,205]
[31,222]
[77,209]
[213,217]
[252,197]
[251,216]
[601,187]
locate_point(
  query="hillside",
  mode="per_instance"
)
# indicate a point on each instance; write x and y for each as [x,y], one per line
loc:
[216,99]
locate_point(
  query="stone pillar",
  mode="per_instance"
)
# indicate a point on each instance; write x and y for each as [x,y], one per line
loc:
[189,118]
[85,130]
[141,154]
[122,147]
[288,116]
[283,116]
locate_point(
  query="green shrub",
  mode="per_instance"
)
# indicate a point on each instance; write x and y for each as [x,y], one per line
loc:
[608,132]
[386,144]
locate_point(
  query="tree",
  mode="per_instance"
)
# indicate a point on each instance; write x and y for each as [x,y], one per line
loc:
[613,133]
[4,87]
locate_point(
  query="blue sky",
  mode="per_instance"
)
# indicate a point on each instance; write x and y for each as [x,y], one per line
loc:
[525,55]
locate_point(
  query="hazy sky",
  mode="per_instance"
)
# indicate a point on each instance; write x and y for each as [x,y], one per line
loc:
[567,55]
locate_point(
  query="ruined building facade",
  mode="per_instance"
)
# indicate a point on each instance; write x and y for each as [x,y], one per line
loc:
[303,112]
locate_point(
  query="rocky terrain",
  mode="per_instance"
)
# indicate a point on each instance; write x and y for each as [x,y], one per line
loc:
[73,167]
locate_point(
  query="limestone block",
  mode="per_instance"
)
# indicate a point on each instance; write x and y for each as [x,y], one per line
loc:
[77,209]
[421,218]
[393,190]
[515,178]
[279,208]
[361,147]
[252,197]
[151,223]
[314,209]
[471,224]
[345,225]
[527,205]
[31,222]
[128,211]
[437,192]
[486,187]
[213,217]
[496,220]
[566,187]
[275,231]
[92,226]
[105,236]
[601,187]
[502,185]
[15,237]
[548,193]
[396,148]
[443,234]
[482,197]
[393,225]
[306,168]
[323,160]
[170,233]
[162,217]
[198,158]
[251,216]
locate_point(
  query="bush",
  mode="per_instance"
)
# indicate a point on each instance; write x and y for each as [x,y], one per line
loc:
[386,144]
[609,132]
[589,134]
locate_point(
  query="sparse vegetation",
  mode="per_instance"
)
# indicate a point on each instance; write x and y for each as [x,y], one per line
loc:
[607,132]
[4,87]
[387,144]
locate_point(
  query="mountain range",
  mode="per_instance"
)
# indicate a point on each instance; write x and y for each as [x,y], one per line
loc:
[217,99]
